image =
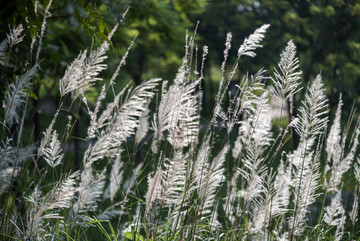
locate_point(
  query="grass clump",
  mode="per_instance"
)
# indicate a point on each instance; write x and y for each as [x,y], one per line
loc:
[148,168]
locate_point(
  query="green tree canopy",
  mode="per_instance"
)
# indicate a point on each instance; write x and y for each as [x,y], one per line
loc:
[326,34]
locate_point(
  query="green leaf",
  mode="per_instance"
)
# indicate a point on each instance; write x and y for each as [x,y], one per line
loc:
[29,18]
[112,232]
[100,25]
[133,235]
[104,37]
[33,95]
[102,229]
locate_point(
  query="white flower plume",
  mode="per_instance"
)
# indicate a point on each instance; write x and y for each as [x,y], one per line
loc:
[253,42]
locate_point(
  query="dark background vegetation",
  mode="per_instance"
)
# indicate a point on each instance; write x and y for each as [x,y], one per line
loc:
[326,33]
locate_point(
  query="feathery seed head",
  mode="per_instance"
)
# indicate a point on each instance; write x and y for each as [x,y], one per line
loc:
[286,82]
[14,37]
[253,42]
[18,91]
